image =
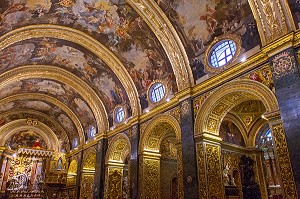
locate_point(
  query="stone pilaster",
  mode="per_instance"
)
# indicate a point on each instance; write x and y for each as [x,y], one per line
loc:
[189,162]
[79,173]
[100,169]
[134,161]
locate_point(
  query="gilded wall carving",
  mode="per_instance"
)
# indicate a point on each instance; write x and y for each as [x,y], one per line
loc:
[89,161]
[115,183]
[151,176]
[87,186]
[214,173]
[201,171]
[287,178]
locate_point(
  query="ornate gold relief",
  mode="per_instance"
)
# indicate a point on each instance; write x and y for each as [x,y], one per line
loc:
[89,161]
[273,17]
[214,173]
[201,171]
[284,162]
[71,179]
[87,186]
[115,183]
[151,182]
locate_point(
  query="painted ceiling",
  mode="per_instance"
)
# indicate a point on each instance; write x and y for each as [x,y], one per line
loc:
[133,56]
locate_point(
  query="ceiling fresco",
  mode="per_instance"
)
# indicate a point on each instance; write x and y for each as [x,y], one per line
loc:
[198,27]
[75,59]
[114,23]
[47,108]
[60,91]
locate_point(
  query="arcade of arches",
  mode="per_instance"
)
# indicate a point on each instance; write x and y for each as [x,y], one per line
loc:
[150,99]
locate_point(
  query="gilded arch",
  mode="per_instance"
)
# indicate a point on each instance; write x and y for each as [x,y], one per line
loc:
[89,159]
[55,73]
[72,173]
[52,100]
[152,143]
[118,149]
[78,37]
[9,129]
[218,104]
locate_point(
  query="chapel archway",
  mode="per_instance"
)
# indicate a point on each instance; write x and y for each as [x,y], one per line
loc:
[161,159]
[235,112]
[88,174]
[117,172]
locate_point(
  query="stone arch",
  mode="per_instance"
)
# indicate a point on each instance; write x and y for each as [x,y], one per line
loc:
[151,142]
[118,149]
[9,129]
[218,104]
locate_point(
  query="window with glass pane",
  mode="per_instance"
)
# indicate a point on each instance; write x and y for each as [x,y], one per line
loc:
[222,53]
[157,92]
[119,114]
[92,132]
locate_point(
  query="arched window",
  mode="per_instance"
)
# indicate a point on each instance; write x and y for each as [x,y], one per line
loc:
[92,132]
[119,114]
[222,53]
[157,92]
[75,142]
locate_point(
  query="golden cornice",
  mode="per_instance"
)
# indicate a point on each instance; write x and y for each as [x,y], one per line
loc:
[33,112]
[52,100]
[279,45]
[7,130]
[78,37]
[56,73]
[169,39]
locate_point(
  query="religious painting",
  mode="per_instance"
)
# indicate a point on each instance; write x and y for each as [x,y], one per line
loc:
[113,23]
[295,9]
[73,58]
[230,133]
[198,27]
[7,117]
[26,139]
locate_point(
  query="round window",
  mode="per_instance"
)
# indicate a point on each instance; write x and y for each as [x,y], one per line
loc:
[222,53]
[92,132]
[157,92]
[75,143]
[119,114]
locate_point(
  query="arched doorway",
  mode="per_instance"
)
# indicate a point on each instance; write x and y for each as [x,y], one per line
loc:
[160,159]
[117,172]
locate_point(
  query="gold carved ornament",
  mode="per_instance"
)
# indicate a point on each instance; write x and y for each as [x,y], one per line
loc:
[89,161]
[214,173]
[201,172]
[115,183]
[284,161]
